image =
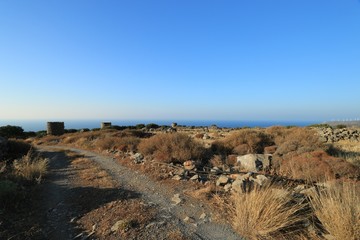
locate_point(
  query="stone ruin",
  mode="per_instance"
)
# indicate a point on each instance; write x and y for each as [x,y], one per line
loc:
[55,128]
[105,125]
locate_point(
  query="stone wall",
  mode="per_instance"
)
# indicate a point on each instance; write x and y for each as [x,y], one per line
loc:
[55,128]
[334,135]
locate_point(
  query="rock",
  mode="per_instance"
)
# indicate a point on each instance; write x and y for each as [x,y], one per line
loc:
[195,177]
[176,199]
[177,177]
[138,158]
[202,216]
[227,187]
[255,162]
[117,225]
[189,165]
[188,219]
[261,179]
[215,170]
[234,176]
[206,136]
[222,180]
[236,185]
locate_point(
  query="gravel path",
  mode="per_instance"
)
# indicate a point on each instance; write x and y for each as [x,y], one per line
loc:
[189,215]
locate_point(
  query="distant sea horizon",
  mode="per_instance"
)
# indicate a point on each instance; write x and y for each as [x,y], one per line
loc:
[39,125]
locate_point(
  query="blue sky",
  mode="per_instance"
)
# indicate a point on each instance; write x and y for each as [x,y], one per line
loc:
[198,59]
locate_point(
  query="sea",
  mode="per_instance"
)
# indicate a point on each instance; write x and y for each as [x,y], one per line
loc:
[39,125]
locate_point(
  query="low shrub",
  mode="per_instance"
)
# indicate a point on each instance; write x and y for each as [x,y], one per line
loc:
[317,166]
[242,142]
[31,167]
[175,147]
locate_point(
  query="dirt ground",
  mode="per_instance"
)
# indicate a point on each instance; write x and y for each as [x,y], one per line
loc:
[91,196]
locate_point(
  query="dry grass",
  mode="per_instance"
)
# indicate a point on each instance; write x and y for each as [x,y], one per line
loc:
[317,166]
[31,167]
[338,209]
[175,147]
[264,214]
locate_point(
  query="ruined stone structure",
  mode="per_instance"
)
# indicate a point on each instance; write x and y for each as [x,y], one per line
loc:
[105,125]
[55,128]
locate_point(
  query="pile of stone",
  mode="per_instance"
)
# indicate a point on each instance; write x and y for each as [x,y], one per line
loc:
[330,135]
[241,182]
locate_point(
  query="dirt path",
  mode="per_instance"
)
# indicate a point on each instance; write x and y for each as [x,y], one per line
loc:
[190,216]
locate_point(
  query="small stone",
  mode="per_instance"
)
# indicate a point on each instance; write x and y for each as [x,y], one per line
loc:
[236,185]
[188,219]
[202,216]
[177,177]
[227,187]
[176,199]
[222,180]
[195,177]
[117,225]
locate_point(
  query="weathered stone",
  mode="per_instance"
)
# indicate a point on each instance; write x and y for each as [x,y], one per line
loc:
[255,162]
[117,225]
[222,180]
[202,216]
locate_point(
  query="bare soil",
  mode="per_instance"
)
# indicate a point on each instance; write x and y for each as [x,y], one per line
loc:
[91,196]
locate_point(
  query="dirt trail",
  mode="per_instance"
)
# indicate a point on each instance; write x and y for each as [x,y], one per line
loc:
[189,215]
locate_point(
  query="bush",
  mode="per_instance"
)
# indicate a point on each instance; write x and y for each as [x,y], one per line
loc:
[242,142]
[298,140]
[267,213]
[338,210]
[317,166]
[31,167]
[11,131]
[175,147]
[17,148]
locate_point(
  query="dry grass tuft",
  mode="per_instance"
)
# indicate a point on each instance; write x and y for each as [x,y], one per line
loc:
[31,167]
[264,214]
[338,209]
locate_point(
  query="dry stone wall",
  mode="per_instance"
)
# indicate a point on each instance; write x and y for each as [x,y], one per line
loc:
[334,135]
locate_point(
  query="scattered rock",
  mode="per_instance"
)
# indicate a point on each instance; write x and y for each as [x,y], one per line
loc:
[236,185]
[117,225]
[189,219]
[202,216]
[261,179]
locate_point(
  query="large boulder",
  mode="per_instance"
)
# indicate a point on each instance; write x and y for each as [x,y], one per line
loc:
[255,162]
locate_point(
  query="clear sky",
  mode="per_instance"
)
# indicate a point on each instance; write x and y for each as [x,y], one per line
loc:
[184,59]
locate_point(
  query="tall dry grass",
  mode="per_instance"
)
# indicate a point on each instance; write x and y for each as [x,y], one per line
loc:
[338,209]
[31,166]
[267,214]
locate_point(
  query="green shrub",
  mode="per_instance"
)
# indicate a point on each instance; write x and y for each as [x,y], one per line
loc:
[11,131]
